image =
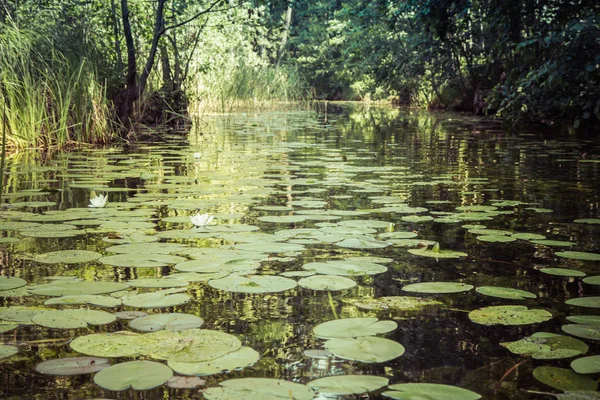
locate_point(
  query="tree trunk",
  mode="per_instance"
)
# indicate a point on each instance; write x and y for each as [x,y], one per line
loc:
[286,31]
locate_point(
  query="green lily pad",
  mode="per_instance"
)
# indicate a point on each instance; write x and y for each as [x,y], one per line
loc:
[5,327]
[270,247]
[528,236]
[579,395]
[72,366]
[553,243]
[401,303]
[583,331]
[348,384]
[158,299]
[365,242]
[66,288]
[417,218]
[562,272]
[508,315]
[190,345]
[284,219]
[578,255]
[117,344]
[592,280]
[593,320]
[353,327]
[157,283]
[19,314]
[438,287]
[437,254]
[87,299]
[326,282]
[366,349]
[258,389]
[72,319]
[505,293]
[429,391]
[590,301]
[345,268]
[239,359]
[592,221]
[563,379]
[169,322]
[67,257]
[496,238]
[586,365]
[366,223]
[152,248]
[7,351]
[547,346]
[11,282]
[142,260]
[139,375]
[253,284]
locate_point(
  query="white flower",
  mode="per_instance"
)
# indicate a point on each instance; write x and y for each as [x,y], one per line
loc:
[201,219]
[198,155]
[98,201]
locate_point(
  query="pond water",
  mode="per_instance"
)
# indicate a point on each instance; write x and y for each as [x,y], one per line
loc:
[355,203]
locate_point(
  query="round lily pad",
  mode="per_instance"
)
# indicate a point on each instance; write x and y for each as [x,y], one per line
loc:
[142,260]
[170,322]
[67,257]
[139,375]
[553,243]
[157,283]
[72,366]
[158,299]
[583,331]
[4,327]
[326,282]
[241,358]
[365,242]
[253,284]
[65,288]
[578,255]
[593,320]
[437,287]
[20,314]
[590,301]
[509,315]
[586,365]
[72,319]
[562,272]
[347,268]
[496,238]
[366,349]
[563,379]
[117,344]
[353,327]
[592,280]
[348,384]
[429,391]
[547,346]
[88,299]
[592,221]
[129,315]
[402,303]
[11,282]
[528,236]
[505,293]
[366,223]
[7,351]
[151,248]
[258,389]
[437,254]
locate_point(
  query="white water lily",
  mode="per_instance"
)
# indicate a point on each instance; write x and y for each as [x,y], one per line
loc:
[198,155]
[201,219]
[98,201]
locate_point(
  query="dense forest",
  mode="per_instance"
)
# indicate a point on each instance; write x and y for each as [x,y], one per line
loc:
[74,71]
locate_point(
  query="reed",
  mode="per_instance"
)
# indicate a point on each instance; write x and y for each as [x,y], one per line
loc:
[53,100]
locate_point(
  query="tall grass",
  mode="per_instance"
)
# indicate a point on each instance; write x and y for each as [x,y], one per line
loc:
[52,95]
[228,87]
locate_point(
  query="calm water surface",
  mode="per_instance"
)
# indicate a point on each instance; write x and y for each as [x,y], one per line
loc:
[320,159]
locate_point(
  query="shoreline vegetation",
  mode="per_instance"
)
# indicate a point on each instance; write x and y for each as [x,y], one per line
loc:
[95,72]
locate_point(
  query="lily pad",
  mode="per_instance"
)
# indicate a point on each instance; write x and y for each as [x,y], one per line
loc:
[11,282]
[158,299]
[139,375]
[592,280]
[547,346]
[72,366]
[563,379]
[169,322]
[258,389]
[157,283]
[239,359]
[253,284]
[505,293]
[366,349]
[190,345]
[509,315]
[365,242]
[528,236]
[142,260]
[437,254]
[593,320]
[326,282]
[553,243]
[67,257]
[438,287]
[117,344]
[591,221]
[496,238]
[88,299]
[583,331]
[578,255]
[562,272]
[348,384]
[586,365]
[590,301]
[353,327]
[72,319]
[66,288]
[7,351]
[345,268]
[429,391]
[401,303]
[20,314]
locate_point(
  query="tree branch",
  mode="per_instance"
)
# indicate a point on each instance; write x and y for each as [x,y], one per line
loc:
[201,13]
